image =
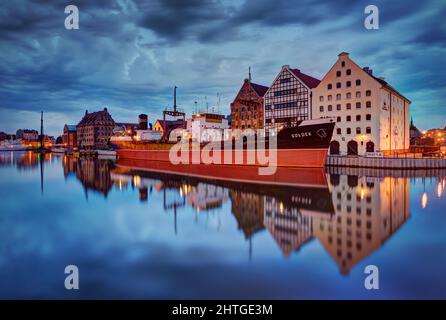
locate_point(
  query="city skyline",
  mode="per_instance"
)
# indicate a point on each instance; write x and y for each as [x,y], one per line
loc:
[128,55]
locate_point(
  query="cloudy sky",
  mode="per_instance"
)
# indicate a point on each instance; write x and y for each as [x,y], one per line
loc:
[128,54]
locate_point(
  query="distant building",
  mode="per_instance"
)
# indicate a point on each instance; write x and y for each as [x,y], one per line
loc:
[70,135]
[3,136]
[371,115]
[95,130]
[288,99]
[169,126]
[27,134]
[247,107]
[211,126]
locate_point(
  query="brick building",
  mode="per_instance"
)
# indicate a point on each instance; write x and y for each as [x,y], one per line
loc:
[95,130]
[69,135]
[247,107]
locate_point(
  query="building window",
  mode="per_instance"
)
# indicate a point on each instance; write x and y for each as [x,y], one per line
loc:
[285,80]
[343,63]
[368,116]
[349,84]
[349,131]
[349,106]
[358,82]
[349,118]
[358,117]
[368,104]
[338,131]
[358,105]
[338,85]
[338,119]
[329,86]
[321,98]
[338,73]
[349,95]
[368,93]
[330,108]
[358,94]
[338,97]
[321,108]
[358,130]
[329,98]
[349,72]
[338,107]
[368,130]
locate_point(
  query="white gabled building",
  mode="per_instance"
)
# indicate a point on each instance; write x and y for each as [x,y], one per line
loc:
[371,115]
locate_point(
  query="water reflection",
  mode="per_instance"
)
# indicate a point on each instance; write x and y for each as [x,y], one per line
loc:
[351,215]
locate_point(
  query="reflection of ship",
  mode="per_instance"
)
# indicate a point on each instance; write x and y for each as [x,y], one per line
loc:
[247,174]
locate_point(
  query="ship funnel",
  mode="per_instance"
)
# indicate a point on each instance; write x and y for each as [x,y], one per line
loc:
[143,122]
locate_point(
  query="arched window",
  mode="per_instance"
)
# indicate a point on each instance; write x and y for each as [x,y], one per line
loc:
[358,130]
[358,105]
[349,106]
[368,130]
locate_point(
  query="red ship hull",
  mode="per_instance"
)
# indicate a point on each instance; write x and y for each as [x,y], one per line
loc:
[306,158]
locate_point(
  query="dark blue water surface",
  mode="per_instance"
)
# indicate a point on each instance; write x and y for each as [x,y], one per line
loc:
[136,234]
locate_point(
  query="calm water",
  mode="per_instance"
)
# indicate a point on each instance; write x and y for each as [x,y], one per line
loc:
[149,235]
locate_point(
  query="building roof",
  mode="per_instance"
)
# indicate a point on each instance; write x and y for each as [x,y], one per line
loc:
[71,127]
[259,89]
[386,85]
[93,117]
[309,81]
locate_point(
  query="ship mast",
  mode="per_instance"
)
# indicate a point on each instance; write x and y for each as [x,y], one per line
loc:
[173,113]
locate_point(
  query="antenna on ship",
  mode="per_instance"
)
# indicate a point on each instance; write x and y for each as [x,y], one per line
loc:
[175,99]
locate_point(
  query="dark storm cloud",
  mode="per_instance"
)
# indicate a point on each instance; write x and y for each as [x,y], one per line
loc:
[175,19]
[128,54]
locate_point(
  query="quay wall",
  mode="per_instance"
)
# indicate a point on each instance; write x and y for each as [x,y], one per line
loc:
[386,163]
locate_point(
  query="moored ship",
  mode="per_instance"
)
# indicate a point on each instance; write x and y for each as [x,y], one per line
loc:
[305,145]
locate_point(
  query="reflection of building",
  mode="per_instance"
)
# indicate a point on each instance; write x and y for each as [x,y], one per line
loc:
[204,196]
[247,107]
[288,225]
[95,130]
[94,174]
[288,100]
[371,115]
[69,135]
[247,208]
[368,211]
